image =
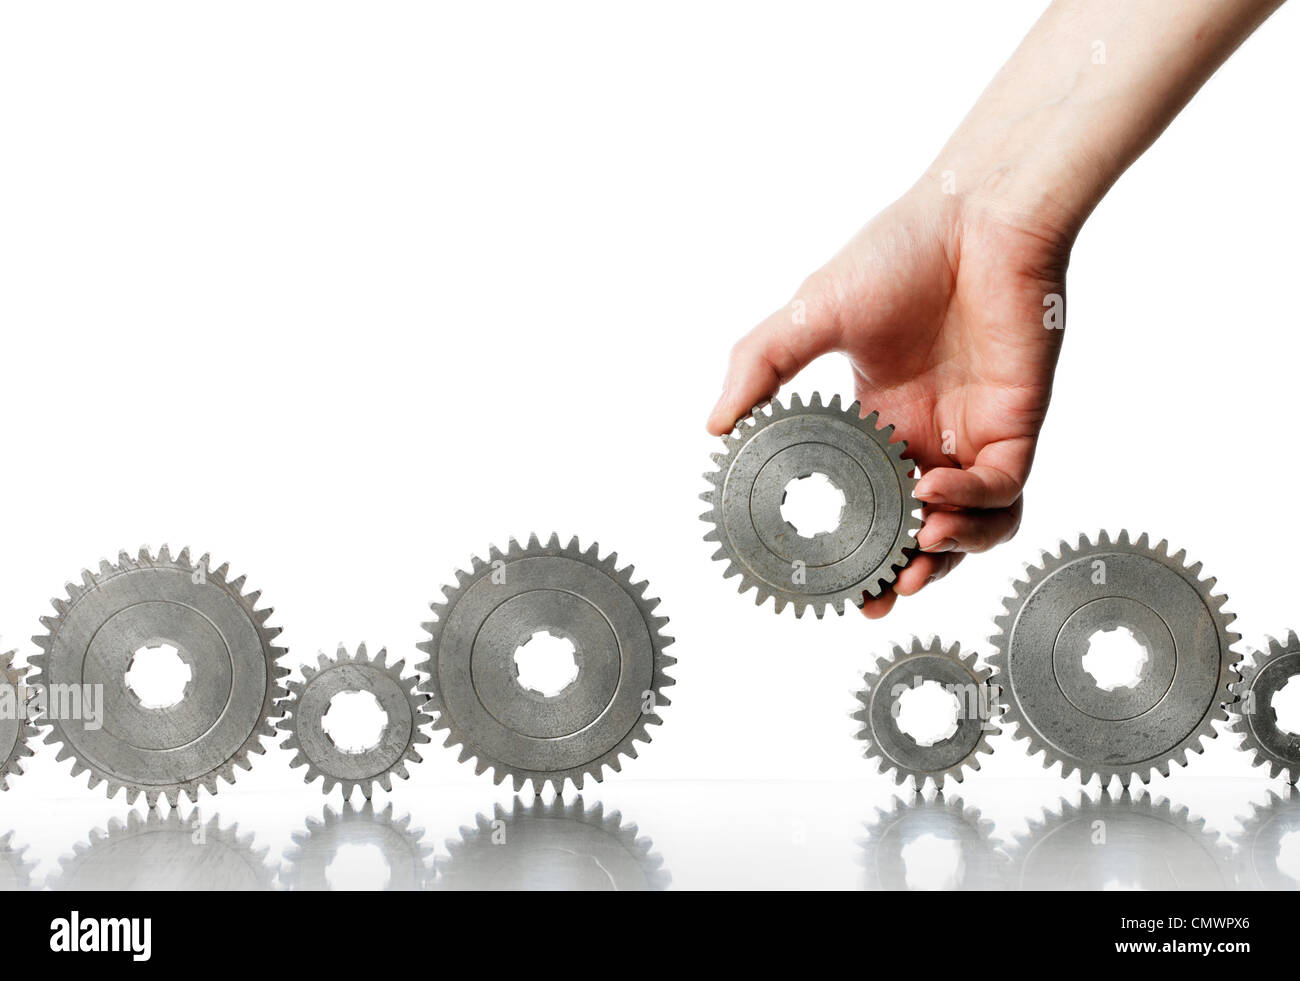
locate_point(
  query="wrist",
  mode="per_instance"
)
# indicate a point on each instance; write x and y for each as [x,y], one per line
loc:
[1019,176]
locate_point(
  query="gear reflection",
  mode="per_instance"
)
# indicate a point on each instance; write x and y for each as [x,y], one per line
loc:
[153,852]
[553,846]
[15,869]
[359,849]
[932,844]
[1268,846]
[1121,842]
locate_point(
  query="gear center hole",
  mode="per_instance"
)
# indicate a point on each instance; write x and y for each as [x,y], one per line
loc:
[1288,855]
[158,676]
[354,721]
[1286,706]
[1116,658]
[546,664]
[358,867]
[933,863]
[812,505]
[928,713]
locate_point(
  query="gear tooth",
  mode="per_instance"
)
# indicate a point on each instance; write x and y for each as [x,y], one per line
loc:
[835,402]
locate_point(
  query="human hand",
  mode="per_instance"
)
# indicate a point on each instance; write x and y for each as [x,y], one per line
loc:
[939,304]
[942,301]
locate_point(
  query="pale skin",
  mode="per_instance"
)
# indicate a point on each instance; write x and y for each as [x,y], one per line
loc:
[940,301]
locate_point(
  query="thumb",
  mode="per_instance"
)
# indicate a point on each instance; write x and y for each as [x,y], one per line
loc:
[773,353]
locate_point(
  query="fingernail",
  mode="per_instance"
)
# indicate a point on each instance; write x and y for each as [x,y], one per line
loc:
[929,497]
[942,545]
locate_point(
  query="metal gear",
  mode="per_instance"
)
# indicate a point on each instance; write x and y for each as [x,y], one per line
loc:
[775,446]
[165,853]
[217,630]
[309,700]
[898,752]
[519,732]
[15,728]
[1046,630]
[1253,715]
[552,846]
[408,859]
[1127,842]
[885,851]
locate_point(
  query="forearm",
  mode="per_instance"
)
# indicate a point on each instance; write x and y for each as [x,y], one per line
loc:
[1087,91]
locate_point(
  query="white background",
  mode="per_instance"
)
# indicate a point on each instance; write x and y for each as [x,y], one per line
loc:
[346,292]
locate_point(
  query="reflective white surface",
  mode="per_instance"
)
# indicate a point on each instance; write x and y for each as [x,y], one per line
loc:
[990,834]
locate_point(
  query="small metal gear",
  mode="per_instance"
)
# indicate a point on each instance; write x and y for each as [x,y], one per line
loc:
[895,750]
[157,852]
[552,846]
[775,446]
[15,729]
[885,851]
[522,733]
[1260,842]
[1046,630]
[309,700]
[408,859]
[1253,715]
[1125,842]
[217,630]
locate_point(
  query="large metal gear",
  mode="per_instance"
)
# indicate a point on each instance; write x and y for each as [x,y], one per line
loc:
[1253,715]
[309,701]
[149,601]
[15,728]
[552,846]
[618,646]
[1046,630]
[878,524]
[898,752]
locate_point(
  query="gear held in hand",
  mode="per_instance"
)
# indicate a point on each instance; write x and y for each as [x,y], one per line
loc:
[857,558]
